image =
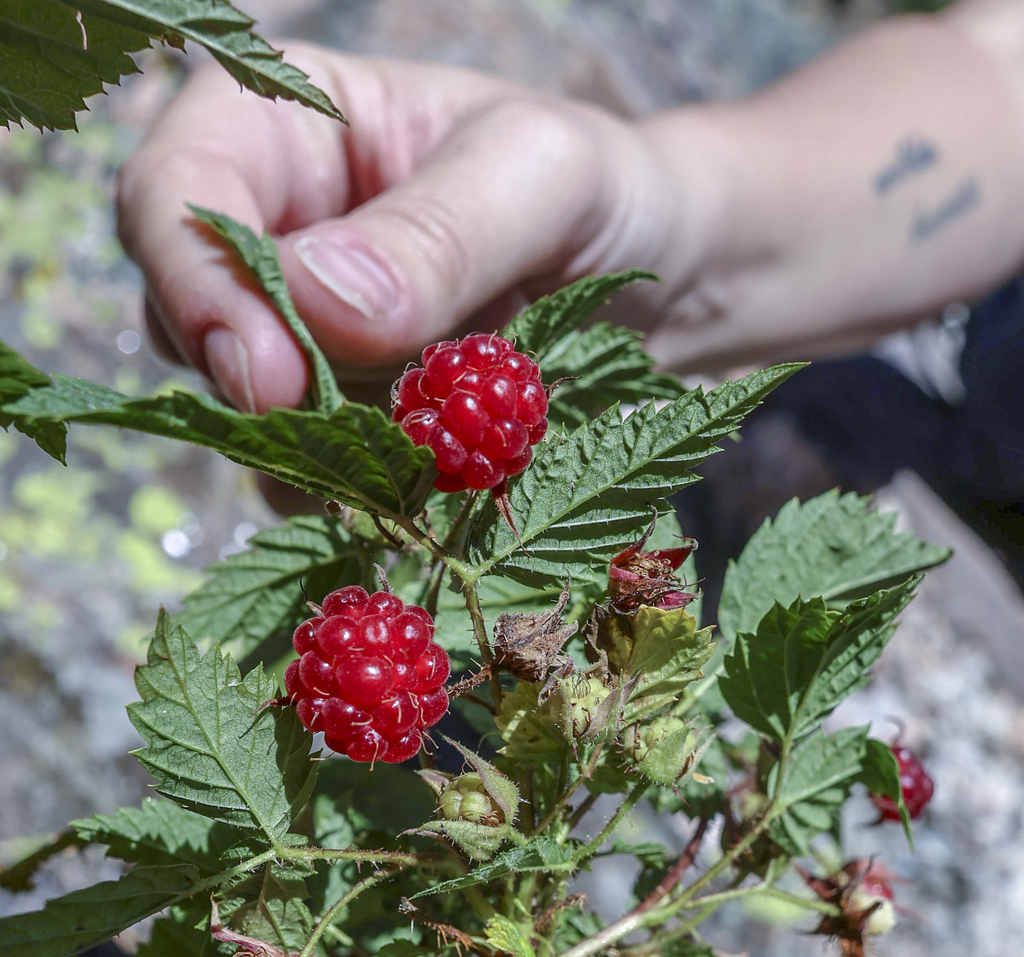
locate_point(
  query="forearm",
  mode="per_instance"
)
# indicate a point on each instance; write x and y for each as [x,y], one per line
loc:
[861,193]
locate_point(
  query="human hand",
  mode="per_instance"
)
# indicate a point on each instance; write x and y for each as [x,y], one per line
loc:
[453,198]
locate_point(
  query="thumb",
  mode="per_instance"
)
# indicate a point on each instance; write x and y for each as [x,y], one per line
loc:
[513,195]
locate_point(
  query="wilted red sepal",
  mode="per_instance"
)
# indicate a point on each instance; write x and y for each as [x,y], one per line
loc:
[638,578]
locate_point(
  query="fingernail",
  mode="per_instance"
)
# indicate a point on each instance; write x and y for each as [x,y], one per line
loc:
[228,362]
[355,277]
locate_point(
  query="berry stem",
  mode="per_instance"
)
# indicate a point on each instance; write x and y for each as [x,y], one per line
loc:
[390,857]
[480,633]
[630,801]
[338,906]
[568,793]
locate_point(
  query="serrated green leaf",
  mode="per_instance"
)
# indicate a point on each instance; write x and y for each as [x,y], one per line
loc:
[260,593]
[50,61]
[602,365]
[161,832]
[541,328]
[260,255]
[831,547]
[209,747]
[354,455]
[587,495]
[269,906]
[599,365]
[541,854]
[54,54]
[668,653]
[530,736]
[649,853]
[75,922]
[804,660]
[881,775]
[507,937]
[18,377]
[817,781]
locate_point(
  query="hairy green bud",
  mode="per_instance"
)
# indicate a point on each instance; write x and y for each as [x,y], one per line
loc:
[466,799]
[663,751]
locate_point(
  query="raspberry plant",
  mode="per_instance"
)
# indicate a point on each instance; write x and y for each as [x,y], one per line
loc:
[572,623]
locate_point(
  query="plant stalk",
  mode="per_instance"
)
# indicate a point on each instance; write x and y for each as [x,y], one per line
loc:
[630,801]
[335,910]
[569,792]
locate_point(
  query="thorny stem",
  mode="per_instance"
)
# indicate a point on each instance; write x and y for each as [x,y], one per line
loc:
[656,915]
[422,538]
[528,800]
[638,917]
[332,915]
[437,569]
[676,871]
[766,890]
[569,792]
[630,801]
[724,862]
[654,945]
[460,520]
[585,805]
[480,630]
[370,857]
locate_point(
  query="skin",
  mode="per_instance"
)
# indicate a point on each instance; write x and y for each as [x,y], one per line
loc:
[855,196]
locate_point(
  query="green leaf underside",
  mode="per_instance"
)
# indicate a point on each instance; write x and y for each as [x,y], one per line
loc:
[804,660]
[354,455]
[269,906]
[881,775]
[162,832]
[260,592]
[17,378]
[830,547]
[51,60]
[599,365]
[590,493]
[260,255]
[817,782]
[541,854]
[668,653]
[183,932]
[75,922]
[208,748]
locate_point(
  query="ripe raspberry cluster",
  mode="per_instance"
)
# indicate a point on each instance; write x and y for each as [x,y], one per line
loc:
[369,676]
[478,405]
[915,783]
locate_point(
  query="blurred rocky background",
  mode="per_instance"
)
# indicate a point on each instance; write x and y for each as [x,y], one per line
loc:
[89,553]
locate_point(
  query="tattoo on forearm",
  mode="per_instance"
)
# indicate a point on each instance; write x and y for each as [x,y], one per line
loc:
[964,198]
[913,155]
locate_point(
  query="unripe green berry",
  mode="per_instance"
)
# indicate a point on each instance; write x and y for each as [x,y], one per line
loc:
[466,799]
[476,808]
[450,805]
[465,783]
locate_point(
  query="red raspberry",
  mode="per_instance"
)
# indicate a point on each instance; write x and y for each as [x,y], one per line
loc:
[915,783]
[369,675]
[478,405]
